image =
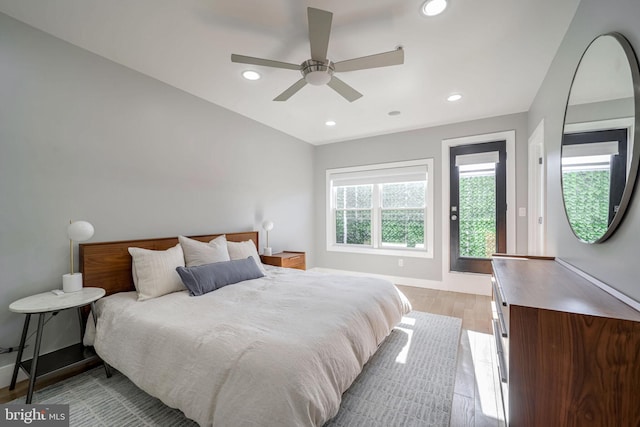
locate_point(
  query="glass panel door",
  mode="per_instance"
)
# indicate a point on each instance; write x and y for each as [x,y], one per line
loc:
[478,205]
[477,210]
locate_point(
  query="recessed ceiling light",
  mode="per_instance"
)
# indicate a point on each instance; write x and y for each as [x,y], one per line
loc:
[394,113]
[454,97]
[434,7]
[251,75]
[330,123]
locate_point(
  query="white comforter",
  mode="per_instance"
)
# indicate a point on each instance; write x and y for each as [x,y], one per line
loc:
[276,351]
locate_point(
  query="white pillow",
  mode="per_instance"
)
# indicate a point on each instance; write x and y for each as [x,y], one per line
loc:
[241,250]
[200,253]
[154,272]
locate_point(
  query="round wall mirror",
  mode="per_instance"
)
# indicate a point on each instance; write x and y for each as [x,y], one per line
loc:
[600,141]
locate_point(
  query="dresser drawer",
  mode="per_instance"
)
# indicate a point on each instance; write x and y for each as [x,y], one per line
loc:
[500,326]
[501,308]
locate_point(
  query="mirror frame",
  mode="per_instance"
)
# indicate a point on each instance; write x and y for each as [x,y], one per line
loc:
[632,61]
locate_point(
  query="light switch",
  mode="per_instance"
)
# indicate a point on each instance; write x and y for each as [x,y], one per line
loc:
[522,212]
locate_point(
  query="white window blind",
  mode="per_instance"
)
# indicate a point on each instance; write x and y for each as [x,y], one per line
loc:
[378,176]
[609,148]
[478,158]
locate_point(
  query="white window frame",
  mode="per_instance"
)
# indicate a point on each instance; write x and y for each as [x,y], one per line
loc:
[374,249]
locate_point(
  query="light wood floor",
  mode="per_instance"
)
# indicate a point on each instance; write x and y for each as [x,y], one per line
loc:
[476,400]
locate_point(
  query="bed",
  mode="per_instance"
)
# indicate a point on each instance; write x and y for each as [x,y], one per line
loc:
[277,350]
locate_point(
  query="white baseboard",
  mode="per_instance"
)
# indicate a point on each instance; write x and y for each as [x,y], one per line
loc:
[7,362]
[478,284]
[7,371]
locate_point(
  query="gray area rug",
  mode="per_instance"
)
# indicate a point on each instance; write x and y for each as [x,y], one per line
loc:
[407,383]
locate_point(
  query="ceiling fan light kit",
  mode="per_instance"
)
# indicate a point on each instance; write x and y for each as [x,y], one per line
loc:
[317,73]
[318,70]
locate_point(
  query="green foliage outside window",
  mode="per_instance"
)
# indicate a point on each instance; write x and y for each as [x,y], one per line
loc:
[587,188]
[353,227]
[477,215]
[403,228]
[402,211]
[402,214]
[353,214]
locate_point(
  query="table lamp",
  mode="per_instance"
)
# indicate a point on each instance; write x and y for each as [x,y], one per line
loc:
[78,231]
[268,226]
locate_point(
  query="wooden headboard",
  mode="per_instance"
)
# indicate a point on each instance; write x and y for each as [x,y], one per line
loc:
[107,265]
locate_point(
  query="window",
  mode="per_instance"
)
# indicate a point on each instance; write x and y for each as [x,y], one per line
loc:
[353,214]
[384,209]
[594,174]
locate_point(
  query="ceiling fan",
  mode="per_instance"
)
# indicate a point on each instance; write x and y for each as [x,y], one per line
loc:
[319,70]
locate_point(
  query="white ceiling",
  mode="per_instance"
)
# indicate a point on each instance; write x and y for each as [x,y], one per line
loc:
[495,52]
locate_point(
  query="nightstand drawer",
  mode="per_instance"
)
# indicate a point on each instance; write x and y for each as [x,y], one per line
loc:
[297,261]
[287,259]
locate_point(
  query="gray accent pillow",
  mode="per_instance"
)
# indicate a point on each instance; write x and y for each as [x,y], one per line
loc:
[206,278]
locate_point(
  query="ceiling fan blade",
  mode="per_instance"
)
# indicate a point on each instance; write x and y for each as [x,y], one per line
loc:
[319,31]
[395,57]
[265,62]
[288,93]
[349,93]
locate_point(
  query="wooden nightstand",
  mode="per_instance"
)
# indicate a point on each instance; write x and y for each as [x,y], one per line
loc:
[287,259]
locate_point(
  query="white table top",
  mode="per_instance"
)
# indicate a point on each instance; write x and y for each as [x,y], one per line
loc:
[48,301]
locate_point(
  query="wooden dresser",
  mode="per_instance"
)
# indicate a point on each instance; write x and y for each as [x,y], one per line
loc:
[568,352]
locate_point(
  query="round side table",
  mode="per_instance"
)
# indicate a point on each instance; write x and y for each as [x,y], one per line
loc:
[41,304]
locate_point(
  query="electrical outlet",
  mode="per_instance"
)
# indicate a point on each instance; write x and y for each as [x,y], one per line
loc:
[400,262]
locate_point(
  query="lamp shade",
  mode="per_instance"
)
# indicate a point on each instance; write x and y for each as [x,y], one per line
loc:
[80,231]
[267,225]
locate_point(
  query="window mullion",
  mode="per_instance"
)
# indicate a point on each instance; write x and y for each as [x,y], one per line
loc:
[376,226]
[335,212]
[427,211]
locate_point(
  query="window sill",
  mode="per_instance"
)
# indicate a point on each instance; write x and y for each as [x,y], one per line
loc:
[406,253]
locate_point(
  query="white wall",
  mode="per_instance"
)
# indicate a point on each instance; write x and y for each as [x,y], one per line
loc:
[615,261]
[84,138]
[417,144]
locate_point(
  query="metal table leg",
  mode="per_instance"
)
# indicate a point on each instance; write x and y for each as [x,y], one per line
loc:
[107,368]
[36,354]
[79,310]
[16,368]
